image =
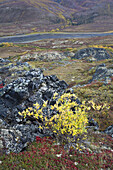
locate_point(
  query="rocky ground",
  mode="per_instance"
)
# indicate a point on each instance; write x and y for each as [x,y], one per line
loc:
[89,71]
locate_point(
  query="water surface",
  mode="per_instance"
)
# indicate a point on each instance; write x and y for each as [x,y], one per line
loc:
[36,37]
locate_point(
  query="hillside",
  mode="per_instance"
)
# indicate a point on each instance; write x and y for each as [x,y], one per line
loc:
[25,16]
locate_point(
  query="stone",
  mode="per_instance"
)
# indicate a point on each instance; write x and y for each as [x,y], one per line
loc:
[109,131]
[93,124]
[42,56]
[31,87]
[91,54]
[3,60]
[103,74]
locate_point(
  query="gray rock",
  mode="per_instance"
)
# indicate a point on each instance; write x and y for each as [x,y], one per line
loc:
[3,60]
[103,73]
[43,56]
[93,124]
[31,87]
[92,54]
[109,131]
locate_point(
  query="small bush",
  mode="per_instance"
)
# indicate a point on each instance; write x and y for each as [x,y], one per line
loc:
[6,44]
[69,122]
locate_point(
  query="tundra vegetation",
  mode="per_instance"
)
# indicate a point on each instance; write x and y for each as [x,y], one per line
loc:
[67,149]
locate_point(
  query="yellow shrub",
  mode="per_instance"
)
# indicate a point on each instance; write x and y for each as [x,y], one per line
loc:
[6,44]
[70,121]
[67,121]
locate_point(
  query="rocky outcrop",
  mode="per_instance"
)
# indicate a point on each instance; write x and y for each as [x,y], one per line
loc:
[102,73]
[10,71]
[92,54]
[43,56]
[93,124]
[30,87]
[109,131]
[20,92]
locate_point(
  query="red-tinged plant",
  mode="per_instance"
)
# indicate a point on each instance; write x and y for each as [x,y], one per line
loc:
[38,139]
[42,155]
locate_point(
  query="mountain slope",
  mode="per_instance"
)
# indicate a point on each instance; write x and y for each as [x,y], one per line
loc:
[41,15]
[18,10]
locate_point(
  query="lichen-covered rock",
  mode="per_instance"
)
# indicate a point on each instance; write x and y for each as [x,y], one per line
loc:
[30,87]
[10,71]
[102,73]
[109,131]
[92,54]
[43,56]
[16,138]
[93,124]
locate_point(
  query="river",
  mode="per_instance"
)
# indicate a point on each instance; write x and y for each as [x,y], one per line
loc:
[36,37]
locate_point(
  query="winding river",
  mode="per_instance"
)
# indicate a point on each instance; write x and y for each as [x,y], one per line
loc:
[36,37]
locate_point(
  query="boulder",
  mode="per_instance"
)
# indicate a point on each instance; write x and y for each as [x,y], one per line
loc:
[43,56]
[31,87]
[26,89]
[16,138]
[92,124]
[91,54]
[103,74]
[109,130]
